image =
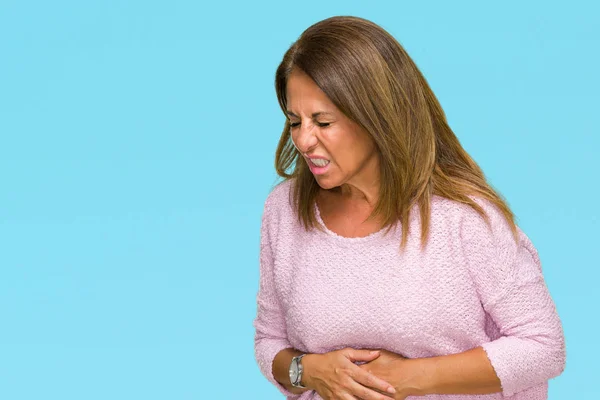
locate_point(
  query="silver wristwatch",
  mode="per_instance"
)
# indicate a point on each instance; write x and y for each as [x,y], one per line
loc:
[296,371]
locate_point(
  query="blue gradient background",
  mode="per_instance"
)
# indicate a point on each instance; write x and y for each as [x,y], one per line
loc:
[137,143]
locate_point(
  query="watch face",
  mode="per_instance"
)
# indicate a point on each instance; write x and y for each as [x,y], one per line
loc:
[294,370]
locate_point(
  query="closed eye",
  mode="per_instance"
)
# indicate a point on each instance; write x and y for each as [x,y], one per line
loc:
[321,124]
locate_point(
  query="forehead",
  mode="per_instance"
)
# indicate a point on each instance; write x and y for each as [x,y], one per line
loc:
[304,96]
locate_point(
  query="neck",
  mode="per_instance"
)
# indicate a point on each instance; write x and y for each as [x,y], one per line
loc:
[360,193]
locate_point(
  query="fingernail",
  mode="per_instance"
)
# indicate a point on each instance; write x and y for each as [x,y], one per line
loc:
[373,351]
[391,390]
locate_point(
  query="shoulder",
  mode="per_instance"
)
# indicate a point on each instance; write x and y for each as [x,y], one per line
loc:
[468,221]
[490,233]
[280,196]
[492,239]
[277,209]
[278,223]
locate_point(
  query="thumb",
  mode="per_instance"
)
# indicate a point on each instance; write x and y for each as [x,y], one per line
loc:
[362,355]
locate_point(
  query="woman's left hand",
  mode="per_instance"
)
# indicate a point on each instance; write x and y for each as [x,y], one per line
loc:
[395,369]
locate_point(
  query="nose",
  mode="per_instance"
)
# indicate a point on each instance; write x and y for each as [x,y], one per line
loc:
[303,137]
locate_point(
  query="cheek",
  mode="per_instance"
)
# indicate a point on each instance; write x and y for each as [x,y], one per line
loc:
[338,145]
[346,150]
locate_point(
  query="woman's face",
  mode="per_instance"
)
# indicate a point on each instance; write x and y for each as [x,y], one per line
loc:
[348,154]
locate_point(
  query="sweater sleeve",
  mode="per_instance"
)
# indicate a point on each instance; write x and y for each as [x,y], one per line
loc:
[509,281]
[270,329]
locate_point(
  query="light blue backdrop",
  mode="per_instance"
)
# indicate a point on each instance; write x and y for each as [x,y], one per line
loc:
[136,151]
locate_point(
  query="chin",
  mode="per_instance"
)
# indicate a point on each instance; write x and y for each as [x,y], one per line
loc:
[326,183]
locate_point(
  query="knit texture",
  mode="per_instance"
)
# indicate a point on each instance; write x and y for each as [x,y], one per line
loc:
[471,286]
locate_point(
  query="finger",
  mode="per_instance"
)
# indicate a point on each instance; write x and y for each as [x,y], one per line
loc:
[362,355]
[370,380]
[365,393]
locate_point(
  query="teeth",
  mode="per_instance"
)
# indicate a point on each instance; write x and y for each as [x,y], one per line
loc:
[320,162]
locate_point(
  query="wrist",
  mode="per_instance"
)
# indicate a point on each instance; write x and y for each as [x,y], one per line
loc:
[308,370]
[422,379]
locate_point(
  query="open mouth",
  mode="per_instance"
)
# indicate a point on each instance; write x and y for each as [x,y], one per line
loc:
[319,162]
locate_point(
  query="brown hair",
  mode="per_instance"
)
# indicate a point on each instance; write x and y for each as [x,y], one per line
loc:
[370,78]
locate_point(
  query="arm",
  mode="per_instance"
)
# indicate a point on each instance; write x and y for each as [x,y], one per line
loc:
[531,346]
[526,349]
[469,372]
[281,366]
[531,350]
[272,350]
[508,278]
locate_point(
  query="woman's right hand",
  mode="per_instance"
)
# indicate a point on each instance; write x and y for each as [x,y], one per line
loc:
[334,376]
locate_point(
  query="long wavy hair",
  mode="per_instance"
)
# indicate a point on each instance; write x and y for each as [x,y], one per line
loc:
[370,78]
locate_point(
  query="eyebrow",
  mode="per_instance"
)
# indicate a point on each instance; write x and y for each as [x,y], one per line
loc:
[315,114]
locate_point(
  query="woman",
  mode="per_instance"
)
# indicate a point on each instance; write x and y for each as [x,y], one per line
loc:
[389,267]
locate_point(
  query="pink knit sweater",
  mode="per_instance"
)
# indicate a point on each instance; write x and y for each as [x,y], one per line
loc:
[470,287]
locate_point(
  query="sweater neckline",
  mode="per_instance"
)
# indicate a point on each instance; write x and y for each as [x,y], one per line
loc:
[344,239]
